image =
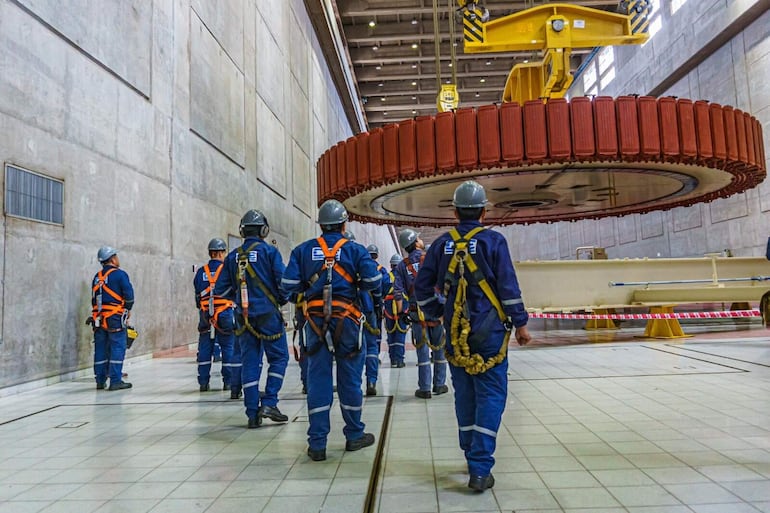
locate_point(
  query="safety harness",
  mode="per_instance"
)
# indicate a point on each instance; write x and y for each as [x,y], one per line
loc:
[425,323]
[298,322]
[210,304]
[460,326]
[100,311]
[244,269]
[327,307]
[393,314]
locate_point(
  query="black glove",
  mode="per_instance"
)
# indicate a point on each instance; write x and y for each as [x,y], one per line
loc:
[403,318]
[90,321]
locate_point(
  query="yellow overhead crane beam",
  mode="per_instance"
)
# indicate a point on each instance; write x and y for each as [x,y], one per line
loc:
[554,29]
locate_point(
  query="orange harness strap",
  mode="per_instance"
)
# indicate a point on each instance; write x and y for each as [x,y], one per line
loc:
[220,304]
[107,310]
[330,254]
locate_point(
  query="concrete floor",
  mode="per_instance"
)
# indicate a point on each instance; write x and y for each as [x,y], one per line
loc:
[620,425]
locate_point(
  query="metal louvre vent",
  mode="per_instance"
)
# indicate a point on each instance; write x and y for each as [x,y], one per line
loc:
[33,196]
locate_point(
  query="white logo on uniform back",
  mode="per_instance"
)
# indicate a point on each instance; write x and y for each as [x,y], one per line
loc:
[318,254]
[472,246]
[252,256]
[205,277]
[449,247]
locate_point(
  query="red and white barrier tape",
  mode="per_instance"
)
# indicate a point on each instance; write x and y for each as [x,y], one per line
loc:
[680,315]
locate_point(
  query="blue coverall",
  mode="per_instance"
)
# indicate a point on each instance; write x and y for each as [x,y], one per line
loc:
[395,327]
[422,334]
[264,316]
[110,337]
[224,329]
[307,262]
[374,320]
[479,399]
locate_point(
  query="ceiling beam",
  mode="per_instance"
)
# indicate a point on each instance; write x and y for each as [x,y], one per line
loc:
[363,8]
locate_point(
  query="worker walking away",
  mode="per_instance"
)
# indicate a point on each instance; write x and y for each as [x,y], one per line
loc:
[374,326]
[112,298]
[473,267]
[330,271]
[252,279]
[395,326]
[215,320]
[427,331]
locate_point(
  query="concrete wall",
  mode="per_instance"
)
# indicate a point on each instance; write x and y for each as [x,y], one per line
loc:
[166,120]
[736,73]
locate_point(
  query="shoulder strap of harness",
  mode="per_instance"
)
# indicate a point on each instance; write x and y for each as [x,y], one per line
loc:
[413,271]
[330,259]
[244,265]
[462,253]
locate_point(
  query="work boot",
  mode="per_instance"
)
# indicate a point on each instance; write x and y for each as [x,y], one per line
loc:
[371,389]
[393,365]
[254,422]
[204,387]
[304,389]
[226,386]
[364,441]
[481,483]
[401,365]
[121,385]
[235,393]
[316,454]
[272,413]
[100,386]
[422,394]
[440,389]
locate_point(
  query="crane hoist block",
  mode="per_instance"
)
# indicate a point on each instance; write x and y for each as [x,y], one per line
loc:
[730,135]
[688,143]
[376,163]
[559,136]
[669,129]
[740,133]
[390,152]
[628,127]
[407,147]
[351,163]
[535,131]
[362,159]
[446,141]
[511,133]
[467,138]
[582,128]
[489,135]
[605,126]
[718,138]
[703,131]
[426,145]
[335,186]
[649,130]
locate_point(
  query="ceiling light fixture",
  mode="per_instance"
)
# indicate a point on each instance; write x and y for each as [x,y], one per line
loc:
[414,112]
[375,48]
[372,23]
[488,63]
[378,68]
[414,97]
[382,99]
[414,21]
[414,66]
[380,84]
[483,80]
[414,83]
[414,46]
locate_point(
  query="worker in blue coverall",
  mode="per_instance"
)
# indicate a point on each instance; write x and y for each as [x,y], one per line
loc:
[395,325]
[112,298]
[473,267]
[251,278]
[427,332]
[215,321]
[330,271]
[373,333]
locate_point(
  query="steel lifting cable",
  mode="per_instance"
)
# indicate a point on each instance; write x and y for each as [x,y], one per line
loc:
[452,43]
[437,43]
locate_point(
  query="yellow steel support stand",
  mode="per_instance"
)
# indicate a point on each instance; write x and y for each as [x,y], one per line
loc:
[664,328]
[601,324]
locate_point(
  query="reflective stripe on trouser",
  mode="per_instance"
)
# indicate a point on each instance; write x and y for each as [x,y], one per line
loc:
[109,352]
[424,355]
[372,351]
[395,340]
[319,385]
[277,353]
[225,339]
[251,369]
[234,367]
[479,404]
